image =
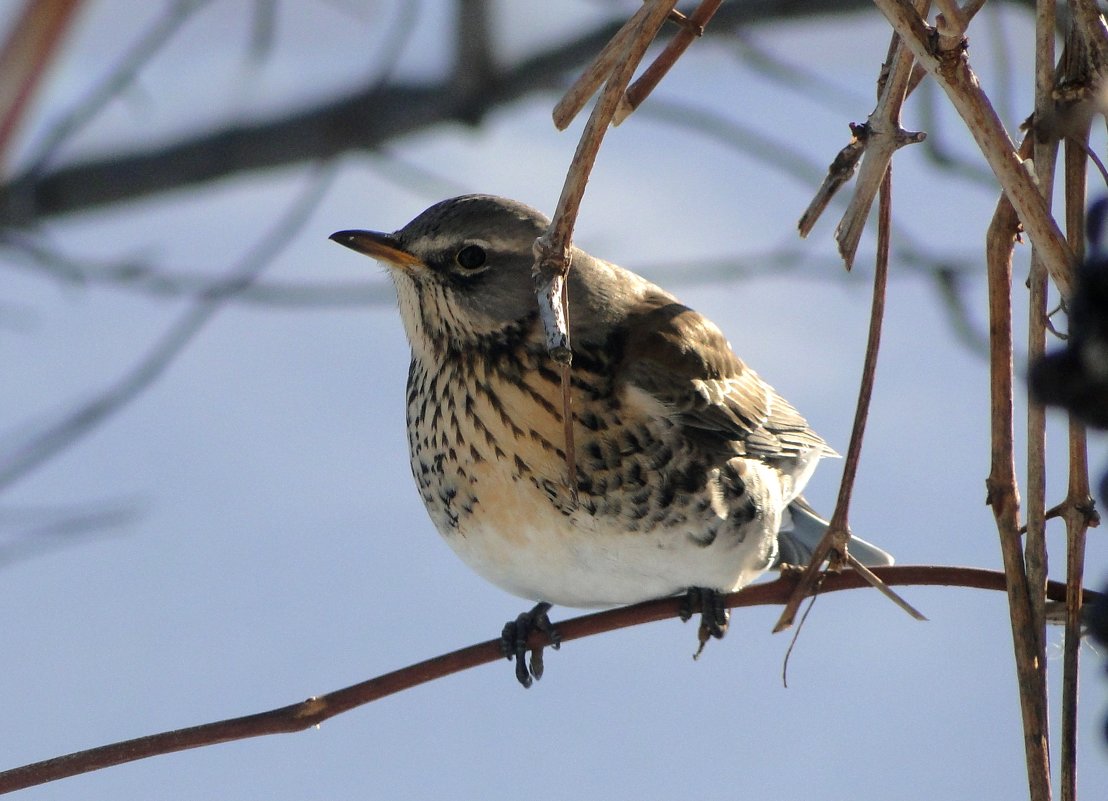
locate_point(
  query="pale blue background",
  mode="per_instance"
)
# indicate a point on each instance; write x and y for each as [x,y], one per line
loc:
[281,551]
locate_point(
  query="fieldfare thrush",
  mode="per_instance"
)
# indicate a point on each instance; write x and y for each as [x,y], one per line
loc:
[689,465]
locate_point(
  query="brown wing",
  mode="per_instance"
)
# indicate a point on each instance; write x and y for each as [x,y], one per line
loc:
[683,360]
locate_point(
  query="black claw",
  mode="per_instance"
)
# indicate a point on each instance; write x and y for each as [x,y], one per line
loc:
[513,642]
[714,616]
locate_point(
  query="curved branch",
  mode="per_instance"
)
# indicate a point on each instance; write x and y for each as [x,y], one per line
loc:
[315,710]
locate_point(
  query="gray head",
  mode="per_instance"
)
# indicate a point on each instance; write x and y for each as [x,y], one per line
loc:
[462,268]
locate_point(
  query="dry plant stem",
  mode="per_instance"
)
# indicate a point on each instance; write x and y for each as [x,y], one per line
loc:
[954,19]
[1003,495]
[597,72]
[552,249]
[653,74]
[1035,538]
[1089,24]
[884,138]
[26,53]
[875,581]
[951,70]
[1076,515]
[1078,507]
[1045,152]
[842,168]
[838,532]
[313,711]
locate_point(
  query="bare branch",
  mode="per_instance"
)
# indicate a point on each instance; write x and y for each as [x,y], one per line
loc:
[45,443]
[315,710]
[132,62]
[598,71]
[891,92]
[1002,492]
[694,27]
[364,120]
[30,46]
[552,249]
[952,71]
[884,137]
[1045,154]
[837,537]
[1078,510]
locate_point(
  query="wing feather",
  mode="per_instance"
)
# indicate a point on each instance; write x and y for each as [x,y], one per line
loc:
[683,360]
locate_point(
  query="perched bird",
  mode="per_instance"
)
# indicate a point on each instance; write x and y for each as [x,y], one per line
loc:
[689,466]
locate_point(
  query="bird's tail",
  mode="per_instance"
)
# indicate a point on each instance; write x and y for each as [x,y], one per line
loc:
[801,531]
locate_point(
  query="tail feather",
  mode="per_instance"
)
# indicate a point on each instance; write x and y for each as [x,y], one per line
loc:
[801,531]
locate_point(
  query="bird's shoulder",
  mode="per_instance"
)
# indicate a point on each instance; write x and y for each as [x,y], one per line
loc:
[684,364]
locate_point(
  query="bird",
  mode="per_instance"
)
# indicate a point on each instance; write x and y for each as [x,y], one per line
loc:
[689,466]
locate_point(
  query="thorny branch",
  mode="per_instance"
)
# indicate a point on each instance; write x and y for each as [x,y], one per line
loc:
[902,78]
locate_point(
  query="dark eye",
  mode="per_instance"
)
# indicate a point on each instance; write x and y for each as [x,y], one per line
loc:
[471,257]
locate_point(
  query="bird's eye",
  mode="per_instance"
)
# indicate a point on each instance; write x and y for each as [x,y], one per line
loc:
[471,257]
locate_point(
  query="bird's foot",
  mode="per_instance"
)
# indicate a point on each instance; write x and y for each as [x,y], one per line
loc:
[714,616]
[513,642]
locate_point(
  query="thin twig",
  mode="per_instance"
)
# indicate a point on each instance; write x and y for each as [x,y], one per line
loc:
[111,86]
[313,711]
[875,581]
[552,249]
[598,71]
[891,139]
[795,638]
[842,169]
[45,443]
[653,74]
[837,536]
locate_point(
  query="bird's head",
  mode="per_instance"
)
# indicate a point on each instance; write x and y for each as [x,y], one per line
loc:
[462,268]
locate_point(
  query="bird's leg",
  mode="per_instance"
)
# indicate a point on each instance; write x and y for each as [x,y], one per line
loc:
[513,641]
[714,616]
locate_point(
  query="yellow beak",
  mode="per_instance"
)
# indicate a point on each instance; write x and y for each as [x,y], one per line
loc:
[378,246]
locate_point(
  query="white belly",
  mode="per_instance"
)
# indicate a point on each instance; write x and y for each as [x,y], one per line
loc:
[581,560]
